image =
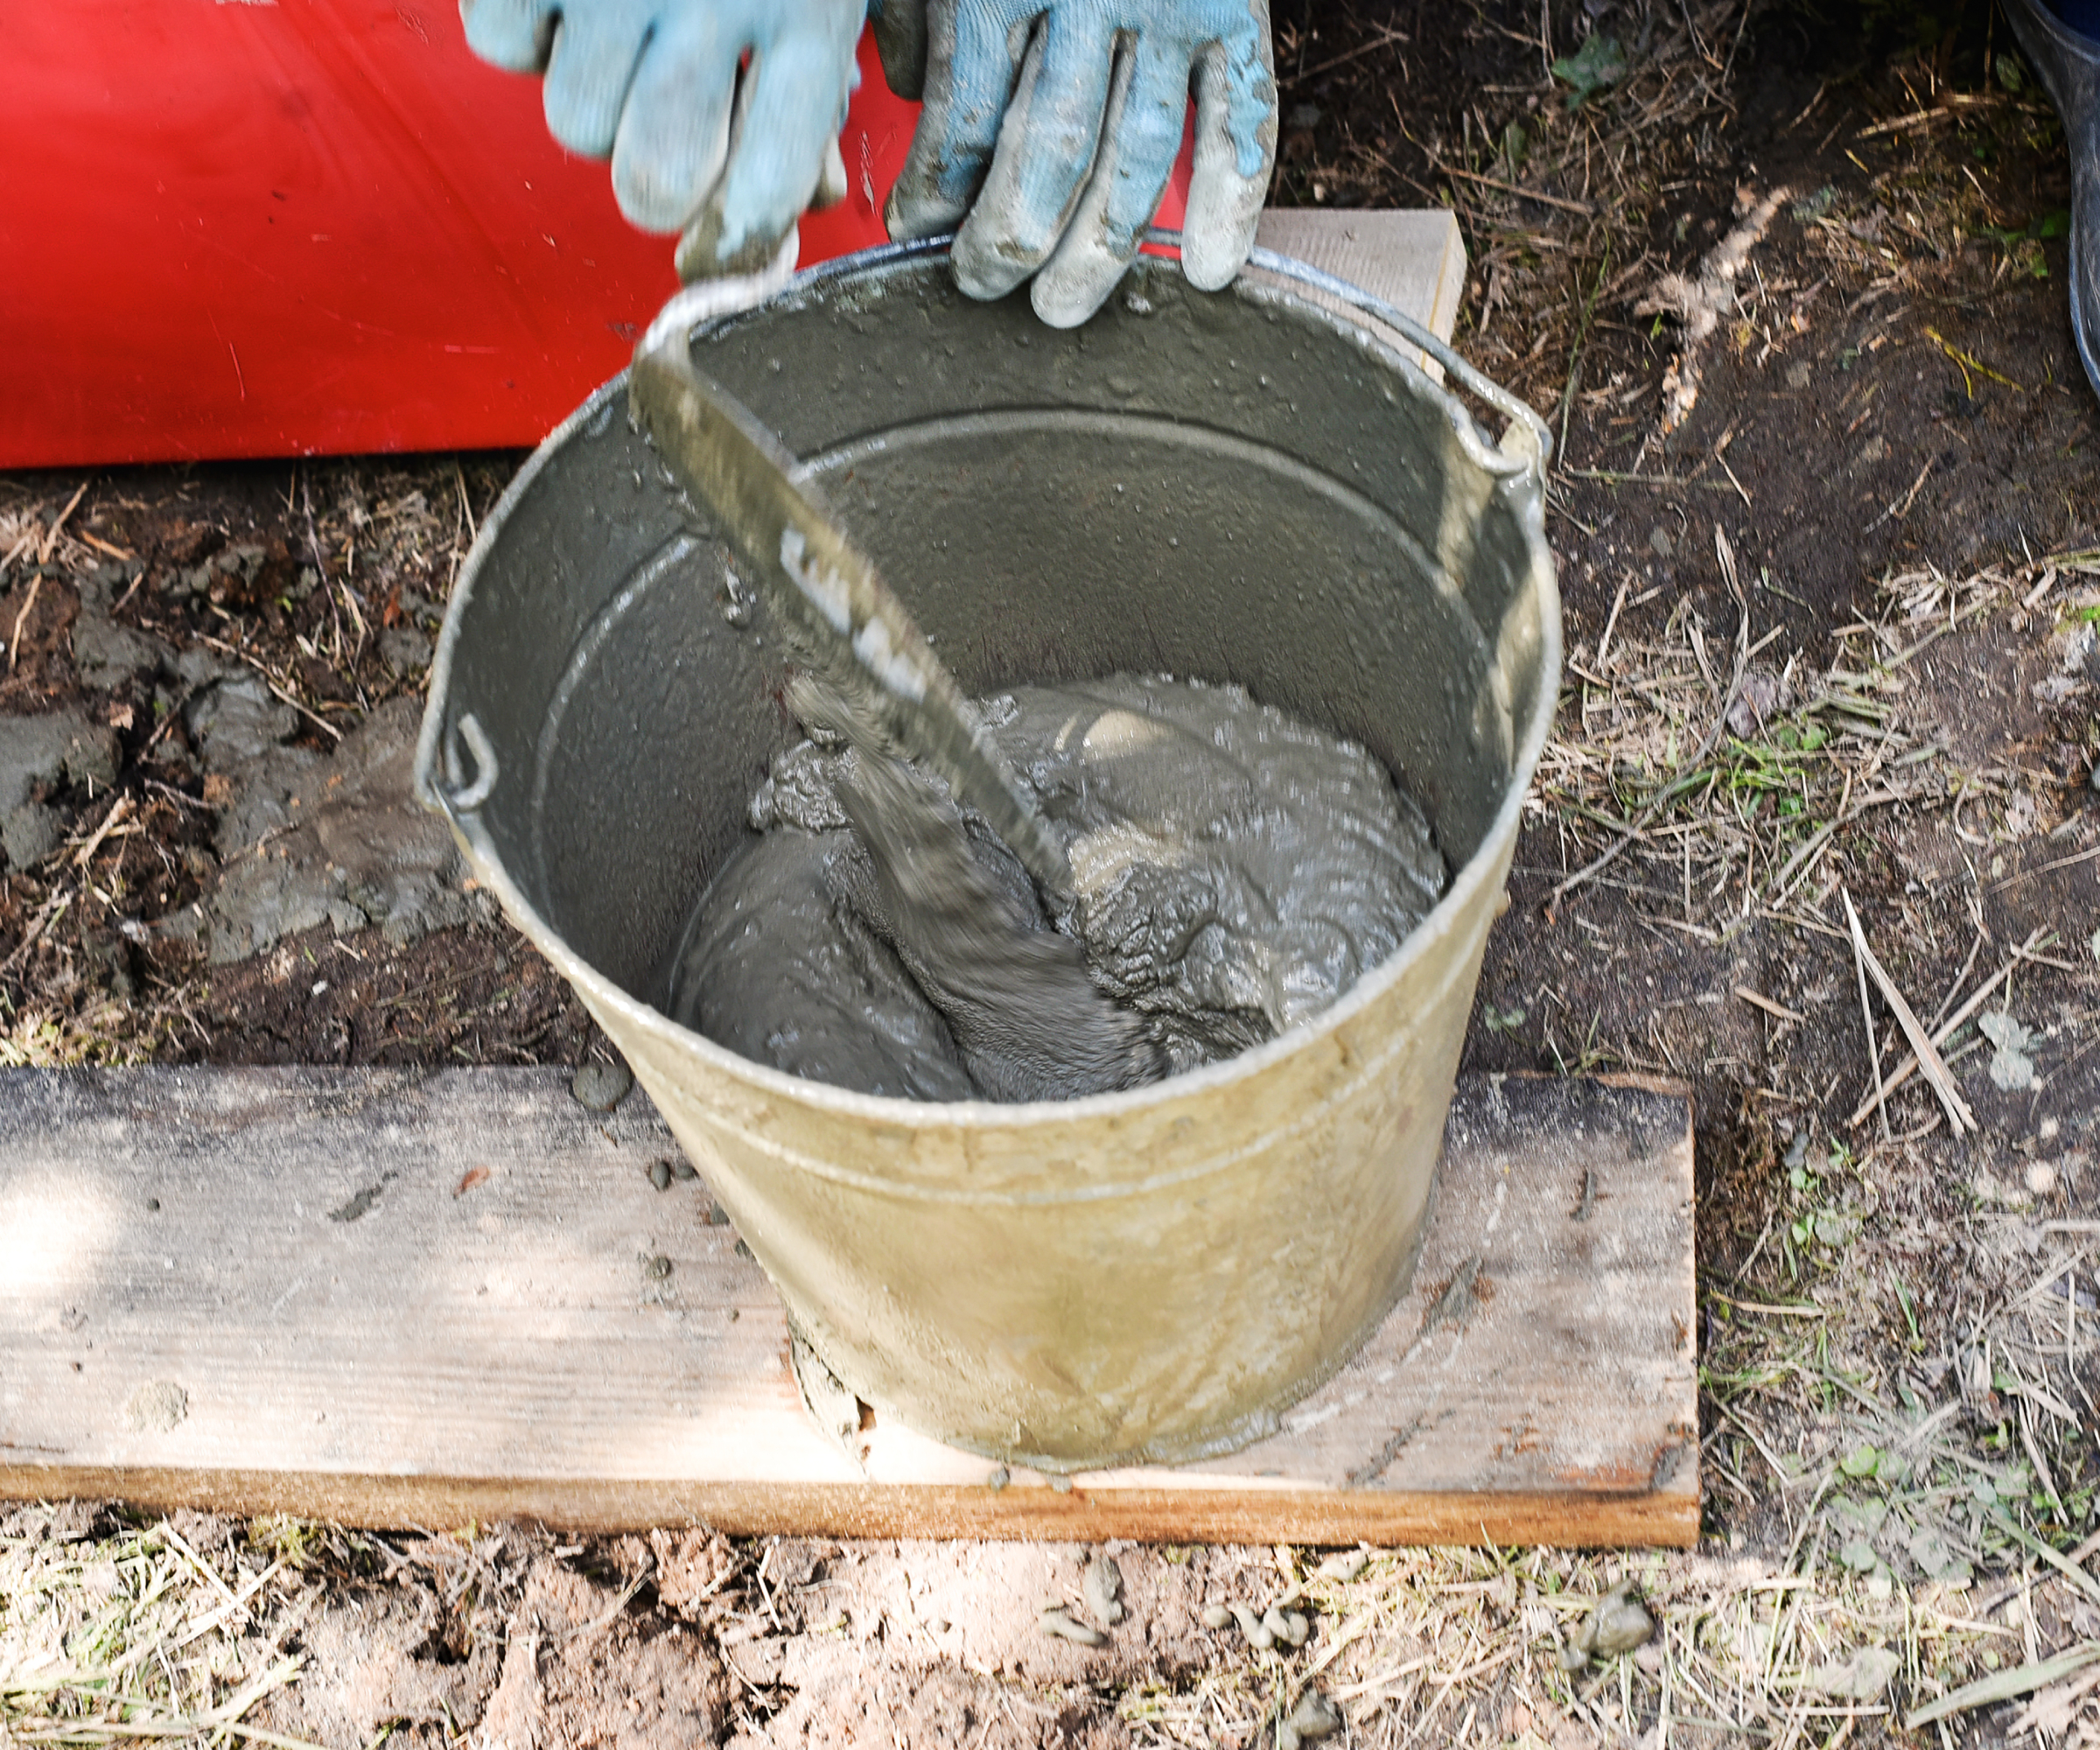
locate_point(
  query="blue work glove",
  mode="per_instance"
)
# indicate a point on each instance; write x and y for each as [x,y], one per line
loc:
[1051,128]
[728,155]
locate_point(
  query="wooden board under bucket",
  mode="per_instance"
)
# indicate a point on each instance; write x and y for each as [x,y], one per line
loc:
[390,1296]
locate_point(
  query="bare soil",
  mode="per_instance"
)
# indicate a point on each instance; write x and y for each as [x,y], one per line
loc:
[1861,563]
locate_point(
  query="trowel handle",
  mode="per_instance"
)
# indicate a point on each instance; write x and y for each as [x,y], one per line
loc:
[738,473]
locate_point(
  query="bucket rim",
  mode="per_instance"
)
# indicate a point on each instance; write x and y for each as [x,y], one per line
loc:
[1520,457]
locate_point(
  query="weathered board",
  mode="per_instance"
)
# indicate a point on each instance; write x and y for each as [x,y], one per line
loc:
[390,1297]
[1415,260]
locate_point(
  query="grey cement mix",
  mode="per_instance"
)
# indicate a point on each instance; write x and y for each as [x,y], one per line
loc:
[308,839]
[39,757]
[1236,870]
[304,838]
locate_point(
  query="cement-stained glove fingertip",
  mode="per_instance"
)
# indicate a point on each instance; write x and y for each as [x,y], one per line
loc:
[515,35]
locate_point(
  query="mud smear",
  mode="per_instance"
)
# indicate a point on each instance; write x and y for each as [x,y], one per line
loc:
[1235,871]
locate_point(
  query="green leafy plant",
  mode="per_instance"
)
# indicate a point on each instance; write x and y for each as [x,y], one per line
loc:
[1598,63]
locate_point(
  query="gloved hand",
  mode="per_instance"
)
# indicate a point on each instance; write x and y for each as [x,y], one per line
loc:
[1077,106]
[730,160]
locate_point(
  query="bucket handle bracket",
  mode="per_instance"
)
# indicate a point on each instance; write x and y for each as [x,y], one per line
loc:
[460,794]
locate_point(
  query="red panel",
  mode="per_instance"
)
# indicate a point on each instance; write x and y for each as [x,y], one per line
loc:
[314,226]
[290,226]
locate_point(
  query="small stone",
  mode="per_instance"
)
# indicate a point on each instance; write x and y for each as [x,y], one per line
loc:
[40,753]
[1215,1616]
[108,656]
[1619,1624]
[1000,1478]
[1287,1625]
[2011,1067]
[1314,1717]
[1864,1677]
[404,649]
[1799,373]
[682,1168]
[602,1086]
[659,1174]
[1755,702]
[348,844]
[1103,1588]
[1060,1483]
[238,719]
[1054,1622]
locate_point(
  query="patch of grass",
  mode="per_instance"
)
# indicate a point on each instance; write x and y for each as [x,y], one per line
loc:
[135,1635]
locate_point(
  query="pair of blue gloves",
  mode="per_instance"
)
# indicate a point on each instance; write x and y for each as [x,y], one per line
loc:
[1049,131]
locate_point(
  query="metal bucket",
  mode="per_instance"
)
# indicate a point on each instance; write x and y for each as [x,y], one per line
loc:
[1235,485]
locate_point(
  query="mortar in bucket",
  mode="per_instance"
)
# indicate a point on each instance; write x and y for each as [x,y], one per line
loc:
[1240,486]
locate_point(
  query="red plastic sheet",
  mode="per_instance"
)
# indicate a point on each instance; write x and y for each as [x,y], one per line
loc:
[289,227]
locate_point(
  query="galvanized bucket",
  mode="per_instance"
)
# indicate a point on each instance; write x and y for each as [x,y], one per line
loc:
[1235,485]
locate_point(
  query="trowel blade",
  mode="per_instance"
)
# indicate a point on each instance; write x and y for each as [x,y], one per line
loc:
[825,587]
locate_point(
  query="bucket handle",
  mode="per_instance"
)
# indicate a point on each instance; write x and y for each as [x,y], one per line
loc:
[1515,410]
[461,796]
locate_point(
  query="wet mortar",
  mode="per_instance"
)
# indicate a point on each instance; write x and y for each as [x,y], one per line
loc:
[1234,873]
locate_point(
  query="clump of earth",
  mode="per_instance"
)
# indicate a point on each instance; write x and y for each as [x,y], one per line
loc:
[1234,872]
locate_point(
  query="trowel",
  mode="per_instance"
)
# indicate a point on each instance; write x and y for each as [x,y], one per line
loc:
[845,620]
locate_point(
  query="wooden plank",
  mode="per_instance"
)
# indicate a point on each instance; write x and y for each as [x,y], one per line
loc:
[387,1298]
[1415,260]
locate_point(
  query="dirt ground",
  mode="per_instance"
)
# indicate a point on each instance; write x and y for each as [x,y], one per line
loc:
[1788,281]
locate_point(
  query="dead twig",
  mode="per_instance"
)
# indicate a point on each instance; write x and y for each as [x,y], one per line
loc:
[1758,1000]
[1697,305]
[271,681]
[111,820]
[1946,1031]
[2003,1685]
[2085,856]
[1930,1061]
[14,639]
[36,583]
[1866,1020]
[1539,195]
[50,538]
